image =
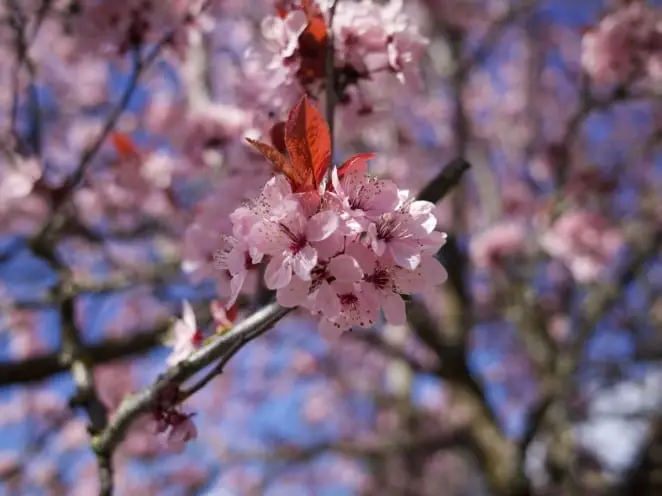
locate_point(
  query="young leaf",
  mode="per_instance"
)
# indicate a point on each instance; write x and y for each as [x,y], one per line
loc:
[279,160]
[124,146]
[309,145]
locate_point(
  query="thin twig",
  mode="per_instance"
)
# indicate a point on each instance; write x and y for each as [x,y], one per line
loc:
[217,370]
[445,181]
[247,330]
[139,67]
[330,78]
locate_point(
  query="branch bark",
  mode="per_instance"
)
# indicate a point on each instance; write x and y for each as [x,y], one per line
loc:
[254,326]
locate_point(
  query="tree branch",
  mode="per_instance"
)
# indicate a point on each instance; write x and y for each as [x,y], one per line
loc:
[247,330]
[445,181]
[598,302]
[41,367]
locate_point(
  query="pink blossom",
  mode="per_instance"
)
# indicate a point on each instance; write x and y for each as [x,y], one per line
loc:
[362,199]
[282,35]
[318,294]
[116,27]
[168,416]
[180,433]
[385,282]
[357,309]
[489,248]
[584,241]
[288,242]
[239,257]
[627,44]
[223,319]
[185,336]
[406,233]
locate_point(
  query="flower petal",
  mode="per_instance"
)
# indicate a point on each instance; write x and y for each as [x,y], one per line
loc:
[394,308]
[322,225]
[294,294]
[405,254]
[278,273]
[327,301]
[304,261]
[345,268]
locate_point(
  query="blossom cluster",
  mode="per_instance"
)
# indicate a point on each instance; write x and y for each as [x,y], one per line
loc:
[625,46]
[370,39]
[342,252]
[117,27]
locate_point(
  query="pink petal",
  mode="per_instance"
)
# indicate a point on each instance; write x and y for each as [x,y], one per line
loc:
[304,261]
[432,271]
[235,261]
[345,268]
[321,226]
[335,180]
[236,283]
[394,309]
[327,301]
[188,316]
[405,254]
[266,237]
[434,242]
[363,255]
[294,294]
[332,330]
[330,246]
[278,273]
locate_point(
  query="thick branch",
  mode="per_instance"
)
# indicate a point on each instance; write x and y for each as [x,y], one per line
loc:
[42,367]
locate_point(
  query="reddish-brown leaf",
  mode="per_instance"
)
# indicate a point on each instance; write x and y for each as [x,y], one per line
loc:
[125,146]
[357,163]
[308,143]
[279,160]
[312,46]
[277,135]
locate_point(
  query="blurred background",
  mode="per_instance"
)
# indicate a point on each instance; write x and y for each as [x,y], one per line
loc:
[534,370]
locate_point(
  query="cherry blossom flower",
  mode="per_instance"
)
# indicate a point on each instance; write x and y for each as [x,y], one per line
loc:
[489,248]
[362,199]
[357,309]
[384,281]
[181,432]
[407,232]
[185,336]
[168,417]
[288,241]
[584,241]
[317,294]
[627,44]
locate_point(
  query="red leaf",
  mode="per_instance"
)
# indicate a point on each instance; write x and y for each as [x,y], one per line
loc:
[125,146]
[308,143]
[277,134]
[357,163]
[312,47]
[275,157]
